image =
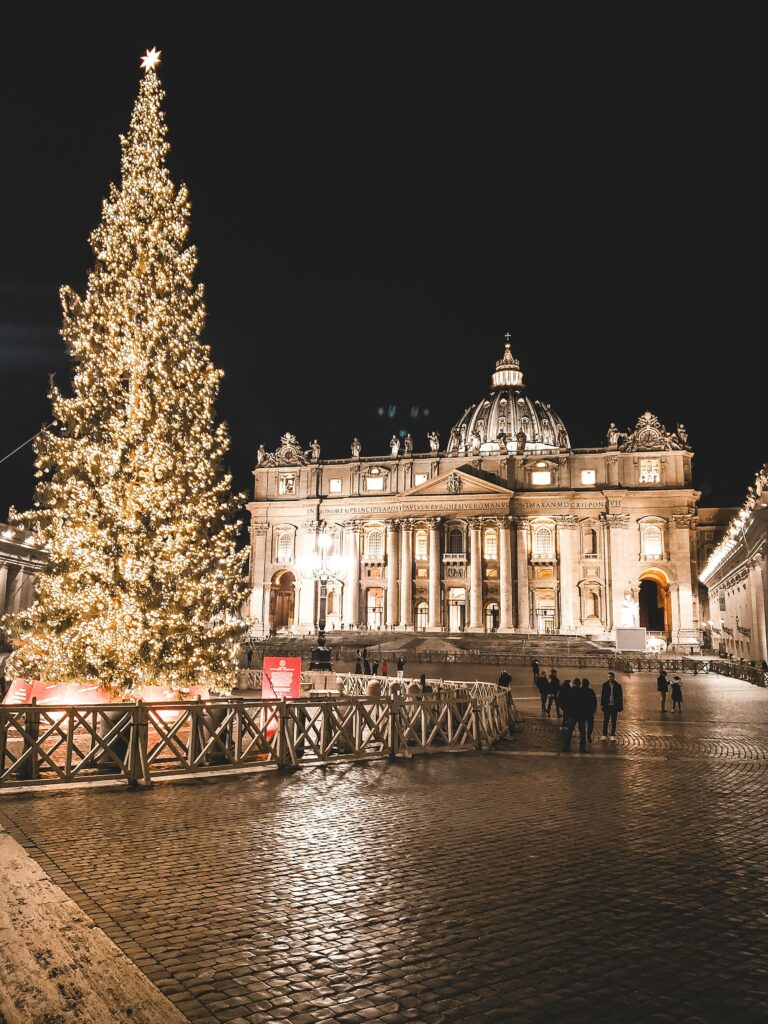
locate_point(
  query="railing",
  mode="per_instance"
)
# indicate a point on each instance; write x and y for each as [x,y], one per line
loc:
[695,666]
[136,742]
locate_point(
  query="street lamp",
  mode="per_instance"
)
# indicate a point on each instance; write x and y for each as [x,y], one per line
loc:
[323,569]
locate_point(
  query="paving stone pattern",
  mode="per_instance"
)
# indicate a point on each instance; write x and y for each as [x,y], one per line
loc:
[522,885]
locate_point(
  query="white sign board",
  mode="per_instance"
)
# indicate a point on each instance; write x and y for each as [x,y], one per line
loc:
[630,638]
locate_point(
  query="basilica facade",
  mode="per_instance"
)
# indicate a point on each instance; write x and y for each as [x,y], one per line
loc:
[505,528]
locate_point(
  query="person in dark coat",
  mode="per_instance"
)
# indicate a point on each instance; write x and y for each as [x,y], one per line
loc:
[504,679]
[400,666]
[366,665]
[612,703]
[677,695]
[575,717]
[553,694]
[662,685]
[589,703]
[543,684]
[564,697]
[375,668]
[535,669]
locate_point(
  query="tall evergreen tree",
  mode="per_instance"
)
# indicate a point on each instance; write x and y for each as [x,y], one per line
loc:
[133,498]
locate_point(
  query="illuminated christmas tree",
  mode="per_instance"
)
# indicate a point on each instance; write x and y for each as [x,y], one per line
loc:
[133,498]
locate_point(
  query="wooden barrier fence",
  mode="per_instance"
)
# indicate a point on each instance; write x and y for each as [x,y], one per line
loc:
[136,742]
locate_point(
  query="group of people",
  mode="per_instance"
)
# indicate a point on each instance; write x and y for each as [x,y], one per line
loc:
[575,704]
[373,666]
[663,685]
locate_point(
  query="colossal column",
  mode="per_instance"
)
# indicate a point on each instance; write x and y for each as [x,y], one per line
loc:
[435,609]
[619,562]
[393,570]
[684,630]
[523,584]
[759,631]
[352,582]
[259,561]
[3,586]
[475,577]
[406,574]
[505,577]
[566,530]
[307,541]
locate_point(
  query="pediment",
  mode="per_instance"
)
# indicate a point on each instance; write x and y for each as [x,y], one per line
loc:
[456,484]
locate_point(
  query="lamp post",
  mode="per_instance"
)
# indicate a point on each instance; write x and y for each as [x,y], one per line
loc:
[323,569]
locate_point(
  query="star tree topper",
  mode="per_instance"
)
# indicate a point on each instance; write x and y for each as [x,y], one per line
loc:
[150,59]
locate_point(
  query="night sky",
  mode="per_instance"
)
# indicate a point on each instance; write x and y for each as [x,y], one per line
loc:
[378,199]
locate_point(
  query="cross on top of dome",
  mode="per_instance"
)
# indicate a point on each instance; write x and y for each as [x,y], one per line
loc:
[508,372]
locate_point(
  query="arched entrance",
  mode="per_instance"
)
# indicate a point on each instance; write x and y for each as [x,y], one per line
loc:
[375,608]
[282,599]
[655,603]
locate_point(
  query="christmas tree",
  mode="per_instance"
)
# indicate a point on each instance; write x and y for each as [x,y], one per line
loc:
[133,498]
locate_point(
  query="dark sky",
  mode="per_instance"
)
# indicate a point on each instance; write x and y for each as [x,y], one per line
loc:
[378,196]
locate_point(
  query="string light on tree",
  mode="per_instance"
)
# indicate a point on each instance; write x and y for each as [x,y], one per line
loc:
[133,497]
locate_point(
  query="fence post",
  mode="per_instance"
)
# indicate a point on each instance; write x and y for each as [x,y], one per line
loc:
[3,736]
[476,725]
[136,766]
[194,732]
[283,756]
[30,768]
[394,715]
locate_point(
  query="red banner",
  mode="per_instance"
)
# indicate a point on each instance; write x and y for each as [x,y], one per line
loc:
[282,678]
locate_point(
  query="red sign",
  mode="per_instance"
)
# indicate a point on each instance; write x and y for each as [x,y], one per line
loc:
[282,678]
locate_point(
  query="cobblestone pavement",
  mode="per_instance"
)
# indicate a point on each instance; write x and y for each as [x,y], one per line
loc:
[521,885]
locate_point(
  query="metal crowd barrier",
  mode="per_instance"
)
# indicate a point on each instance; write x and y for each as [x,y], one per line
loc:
[136,742]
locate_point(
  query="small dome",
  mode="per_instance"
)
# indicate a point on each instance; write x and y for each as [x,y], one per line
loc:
[506,415]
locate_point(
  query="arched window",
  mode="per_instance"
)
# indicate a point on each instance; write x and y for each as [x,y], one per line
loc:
[330,603]
[284,547]
[422,615]
[491,544]
[590,542]
[543,541]
[375,545]
[421,545]
[593,604]
[455,541]
[653,541]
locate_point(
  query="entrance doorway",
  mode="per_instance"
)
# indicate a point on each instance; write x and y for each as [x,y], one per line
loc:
[282,600]
[491,618]
[655,603]
[457,604]
[545,611]
[375,608]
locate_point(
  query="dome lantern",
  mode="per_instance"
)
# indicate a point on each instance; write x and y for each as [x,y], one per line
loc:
[507,420]
[508,373]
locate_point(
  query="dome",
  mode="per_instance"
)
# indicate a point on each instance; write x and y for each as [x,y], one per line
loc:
[502,418]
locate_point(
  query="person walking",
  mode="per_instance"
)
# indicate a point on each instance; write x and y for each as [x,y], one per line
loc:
[504,679]
[575,717]
[384,667]
[564,697]
[589,702]
[553,694]
[543,685]
[662,685]
[375,668]
[612,704]
[677,695]
[400,666]
[535,669]
[358,668]
[366,664]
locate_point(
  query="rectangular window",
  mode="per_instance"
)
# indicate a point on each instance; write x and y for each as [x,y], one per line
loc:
[420,478]
[287,484]
[721,602]
[588,477]
[374,483]
[650,471]
[335,485]
[541,477]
